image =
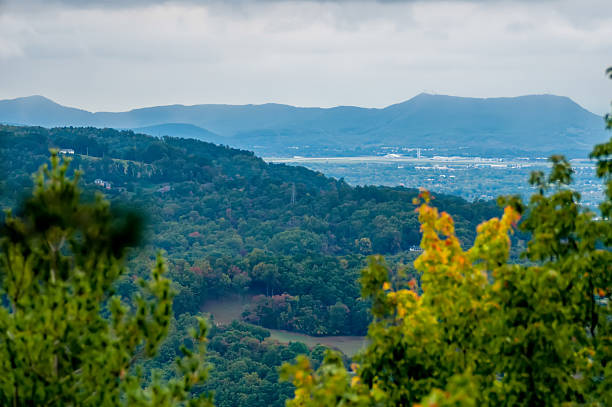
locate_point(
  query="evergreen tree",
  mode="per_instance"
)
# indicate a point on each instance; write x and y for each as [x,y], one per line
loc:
[65,339]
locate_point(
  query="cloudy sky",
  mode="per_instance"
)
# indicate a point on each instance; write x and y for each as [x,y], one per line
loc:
[120,54]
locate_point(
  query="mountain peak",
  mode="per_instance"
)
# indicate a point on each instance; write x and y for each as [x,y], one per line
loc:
[32,99]
[425,97]
[38,110]
[535,122]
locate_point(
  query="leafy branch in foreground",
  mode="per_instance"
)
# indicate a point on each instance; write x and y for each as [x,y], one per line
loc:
[485,332]
[64,338]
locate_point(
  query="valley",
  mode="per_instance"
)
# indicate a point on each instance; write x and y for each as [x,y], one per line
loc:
[472,178]
[230,223]
[272,250]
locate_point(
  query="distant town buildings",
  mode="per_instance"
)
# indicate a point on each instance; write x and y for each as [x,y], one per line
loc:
[102,183]
[66,151]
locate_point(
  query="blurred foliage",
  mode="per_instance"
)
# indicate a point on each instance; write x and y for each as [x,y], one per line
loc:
[65,339]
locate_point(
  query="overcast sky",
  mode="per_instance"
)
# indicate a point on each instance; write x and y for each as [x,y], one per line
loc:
[120,54]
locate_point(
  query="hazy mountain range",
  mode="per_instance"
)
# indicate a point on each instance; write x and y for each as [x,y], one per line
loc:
[537,124]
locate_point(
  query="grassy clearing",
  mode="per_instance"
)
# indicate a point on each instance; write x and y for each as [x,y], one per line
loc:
[225,310]
[349,345]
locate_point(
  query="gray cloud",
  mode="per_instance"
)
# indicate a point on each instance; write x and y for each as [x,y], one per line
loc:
[141,3]
[107,57]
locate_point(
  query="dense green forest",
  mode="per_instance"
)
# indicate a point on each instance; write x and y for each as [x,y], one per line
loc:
[230,223]
[244,363]
[69,255]
[227,223]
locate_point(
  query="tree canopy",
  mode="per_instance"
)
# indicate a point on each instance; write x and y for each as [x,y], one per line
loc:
[485,331]
[227,223]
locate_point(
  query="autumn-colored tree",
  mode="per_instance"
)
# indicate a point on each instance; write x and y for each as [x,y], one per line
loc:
[480,330]
[65,340]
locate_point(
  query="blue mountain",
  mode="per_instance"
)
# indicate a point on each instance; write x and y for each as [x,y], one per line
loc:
[533,123]
[184,130]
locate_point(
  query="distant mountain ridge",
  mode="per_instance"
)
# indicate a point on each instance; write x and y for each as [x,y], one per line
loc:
[533,123]
[183,130]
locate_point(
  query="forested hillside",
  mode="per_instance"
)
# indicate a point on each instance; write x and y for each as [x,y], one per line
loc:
[230,223]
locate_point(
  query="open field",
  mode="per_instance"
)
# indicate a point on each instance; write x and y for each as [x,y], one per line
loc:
[227,309]
[349,345]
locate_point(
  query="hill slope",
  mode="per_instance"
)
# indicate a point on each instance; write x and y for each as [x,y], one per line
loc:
[537,123]
[38,110]
[231,223]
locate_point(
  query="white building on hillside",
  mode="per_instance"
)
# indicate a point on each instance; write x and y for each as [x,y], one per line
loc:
[102,183]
